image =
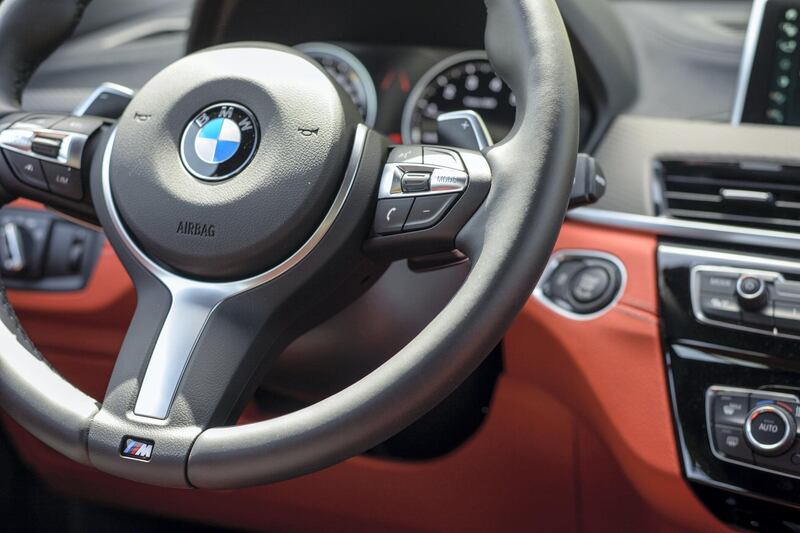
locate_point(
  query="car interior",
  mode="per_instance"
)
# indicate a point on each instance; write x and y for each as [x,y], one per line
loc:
[418,266]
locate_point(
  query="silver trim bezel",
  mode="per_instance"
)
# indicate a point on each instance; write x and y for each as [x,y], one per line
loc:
[370,92]
[748,58]
[194,301]
[427,78]
[19,139]
[769,448]
[561,256]
[688,229]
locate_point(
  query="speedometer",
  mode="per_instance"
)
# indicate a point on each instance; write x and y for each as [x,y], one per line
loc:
[462,81]
[350,73]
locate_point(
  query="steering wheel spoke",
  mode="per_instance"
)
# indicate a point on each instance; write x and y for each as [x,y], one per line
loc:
[47,158]
[242,224]
[427,194]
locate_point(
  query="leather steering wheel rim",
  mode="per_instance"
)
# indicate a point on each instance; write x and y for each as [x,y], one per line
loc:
[508,240]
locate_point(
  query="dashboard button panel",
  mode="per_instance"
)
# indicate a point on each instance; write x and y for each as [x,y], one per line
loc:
[581,284]
[758,301]
[754,428]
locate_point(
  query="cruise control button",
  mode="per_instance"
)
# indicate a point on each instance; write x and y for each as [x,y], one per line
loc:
[410,155]
[27,169]
[85,125]
[719,283]
[442,158]
[731,408]
[730,441]
[428,211]
[46,146]
[412,182]
[720,307]
[63,181]
[590,284]
[390,215]
[787,316]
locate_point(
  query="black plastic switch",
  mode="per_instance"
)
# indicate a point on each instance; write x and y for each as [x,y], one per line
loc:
[730,441]
[720,307]
[63,181]
[390,215]
[27,169]
[731,408]
[428,211]
[46,146]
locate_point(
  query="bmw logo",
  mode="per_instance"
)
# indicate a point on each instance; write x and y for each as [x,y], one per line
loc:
[219,142]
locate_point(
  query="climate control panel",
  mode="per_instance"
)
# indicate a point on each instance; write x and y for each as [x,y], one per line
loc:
[754,428]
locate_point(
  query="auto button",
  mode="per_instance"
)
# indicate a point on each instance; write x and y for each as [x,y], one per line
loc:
[770,430]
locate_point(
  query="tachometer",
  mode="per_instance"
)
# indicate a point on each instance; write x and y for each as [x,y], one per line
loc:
[462,81]
[350,73]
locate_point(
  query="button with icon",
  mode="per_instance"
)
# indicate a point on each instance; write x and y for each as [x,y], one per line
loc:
[390,215]
[27,169]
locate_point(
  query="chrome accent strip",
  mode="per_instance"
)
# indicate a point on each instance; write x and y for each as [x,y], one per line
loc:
[370,93]
[561,256]
[442,180]
[748,58]
[104,88]
[194,301]
[19,138]
[483,139]
[688,229]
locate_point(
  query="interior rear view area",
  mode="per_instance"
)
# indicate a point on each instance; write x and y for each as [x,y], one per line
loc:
[411,266]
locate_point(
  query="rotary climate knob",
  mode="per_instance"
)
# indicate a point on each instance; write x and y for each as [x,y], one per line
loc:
[770,429]
[752,293]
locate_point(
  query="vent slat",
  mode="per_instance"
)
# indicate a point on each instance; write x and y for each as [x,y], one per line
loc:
[748,194]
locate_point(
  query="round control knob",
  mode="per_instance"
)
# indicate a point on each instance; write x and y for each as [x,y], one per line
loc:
[770,430]
[752,293]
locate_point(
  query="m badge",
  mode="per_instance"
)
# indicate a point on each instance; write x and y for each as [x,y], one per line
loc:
[136,448]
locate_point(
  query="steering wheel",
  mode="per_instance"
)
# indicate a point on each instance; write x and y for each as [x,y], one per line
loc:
[248,207]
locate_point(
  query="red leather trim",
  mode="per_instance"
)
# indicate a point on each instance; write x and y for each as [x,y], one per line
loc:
[579,435]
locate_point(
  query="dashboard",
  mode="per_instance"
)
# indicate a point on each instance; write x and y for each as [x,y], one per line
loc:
[414,69]
[697,205]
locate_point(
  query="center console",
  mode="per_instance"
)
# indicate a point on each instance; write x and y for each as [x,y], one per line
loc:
[731,327]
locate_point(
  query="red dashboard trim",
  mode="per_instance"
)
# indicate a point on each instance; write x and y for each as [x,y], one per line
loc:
[579,435]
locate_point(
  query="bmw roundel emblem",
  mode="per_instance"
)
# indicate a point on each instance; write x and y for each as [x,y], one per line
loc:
[219,142]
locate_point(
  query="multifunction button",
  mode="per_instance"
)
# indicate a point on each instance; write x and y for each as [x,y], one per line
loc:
[419,184]
[754,427]
[46,151]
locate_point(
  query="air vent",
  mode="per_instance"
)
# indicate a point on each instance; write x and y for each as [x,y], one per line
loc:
[744,194]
